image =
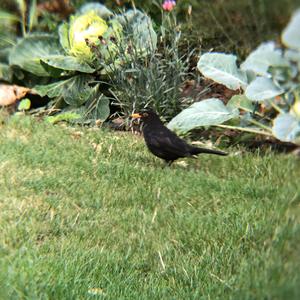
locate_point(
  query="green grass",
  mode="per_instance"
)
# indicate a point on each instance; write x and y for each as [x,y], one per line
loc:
[95,210]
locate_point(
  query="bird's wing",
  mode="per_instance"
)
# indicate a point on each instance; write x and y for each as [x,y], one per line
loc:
[168,144]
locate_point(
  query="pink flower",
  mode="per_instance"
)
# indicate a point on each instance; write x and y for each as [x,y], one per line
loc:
[168,5]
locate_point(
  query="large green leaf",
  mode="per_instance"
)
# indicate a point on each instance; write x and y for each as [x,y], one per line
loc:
[100,109]
[240,102]
[75,90]
[286,128]
[24,104]
[100,9]
[222,68]
[144,36]
[291,34]
[51,90]
[6,73]
[262,88]
[292,55]
[204,113]
[78,91]
[68,116]
[128,16]
[138,27]
[265,56]
[63,32]
[29,51]
[68,63]
[6,16]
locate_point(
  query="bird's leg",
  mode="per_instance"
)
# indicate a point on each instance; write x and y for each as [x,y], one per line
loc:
[168,163]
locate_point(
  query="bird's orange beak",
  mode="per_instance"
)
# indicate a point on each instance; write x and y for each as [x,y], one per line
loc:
[136,116]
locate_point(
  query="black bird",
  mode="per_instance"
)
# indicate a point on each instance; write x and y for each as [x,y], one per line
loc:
[164,143]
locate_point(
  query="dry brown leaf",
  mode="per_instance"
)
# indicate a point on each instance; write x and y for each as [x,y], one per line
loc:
[9,94]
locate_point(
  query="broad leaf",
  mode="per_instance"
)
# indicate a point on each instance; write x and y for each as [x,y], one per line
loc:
[6,16]
[128,16]
[292,55]
[138,26]
[29,51]
[204,113]
[68,63]
[144,36]
[24,104]
[291,34]
[52,71]
[222,68]
[63,32]
[261,59]
[64,116]
[100,9]
[240,102]
[51,90]
[101,109]
[6,73]
[75,90]
[286,128]
[262,89]
[78,91]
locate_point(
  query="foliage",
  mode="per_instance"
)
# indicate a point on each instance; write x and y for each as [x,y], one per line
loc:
[154,79]
[204,113]
[99,55]
[88,26]
[65,116]
[225,26]
[269,77]
[75,58]
[222,69]
[115,54]
[24,104]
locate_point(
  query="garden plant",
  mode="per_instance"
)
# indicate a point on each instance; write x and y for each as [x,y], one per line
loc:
[86,210]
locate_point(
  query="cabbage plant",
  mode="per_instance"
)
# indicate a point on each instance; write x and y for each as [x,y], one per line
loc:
[83,28]
[67,65]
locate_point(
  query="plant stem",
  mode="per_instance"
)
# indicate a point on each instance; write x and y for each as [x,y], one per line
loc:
[276,107]
[245,129]
[260,125]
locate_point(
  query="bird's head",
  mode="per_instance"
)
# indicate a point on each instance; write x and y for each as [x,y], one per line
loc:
[146,115]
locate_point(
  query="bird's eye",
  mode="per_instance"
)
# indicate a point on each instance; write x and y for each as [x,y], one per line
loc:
[145,115]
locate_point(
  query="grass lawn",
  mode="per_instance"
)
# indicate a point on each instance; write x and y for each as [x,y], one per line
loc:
[90,214]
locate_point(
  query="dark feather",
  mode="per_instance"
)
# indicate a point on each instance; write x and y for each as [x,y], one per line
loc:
[164,143]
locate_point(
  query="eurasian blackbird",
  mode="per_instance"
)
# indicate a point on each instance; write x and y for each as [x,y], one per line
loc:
[164,143]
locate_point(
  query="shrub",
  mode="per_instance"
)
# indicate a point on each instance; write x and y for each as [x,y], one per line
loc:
[269,82]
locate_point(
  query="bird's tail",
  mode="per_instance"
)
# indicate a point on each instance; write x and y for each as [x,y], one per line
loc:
[196,150]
